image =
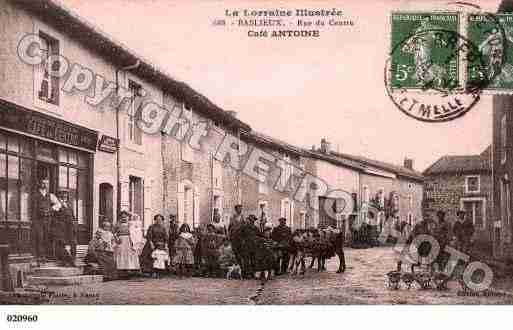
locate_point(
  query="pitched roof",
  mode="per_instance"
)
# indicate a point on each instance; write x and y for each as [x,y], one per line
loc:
[396,169]
[461,164]
[317,154]
[68,22]
[273,142]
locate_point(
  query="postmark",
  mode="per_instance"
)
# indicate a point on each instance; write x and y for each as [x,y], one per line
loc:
[423,76]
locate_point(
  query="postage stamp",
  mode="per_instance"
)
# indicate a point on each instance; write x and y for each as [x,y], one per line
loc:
[492,67]
[422,51]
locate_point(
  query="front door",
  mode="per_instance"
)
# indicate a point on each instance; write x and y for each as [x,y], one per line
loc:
[73,175]
[474,210]
[48,171]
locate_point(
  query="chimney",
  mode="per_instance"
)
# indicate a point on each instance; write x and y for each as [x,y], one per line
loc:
[408,163]
[325,146]
[232,113]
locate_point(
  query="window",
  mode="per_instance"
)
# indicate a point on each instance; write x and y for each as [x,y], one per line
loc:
[410,201]
[135,196]
[302,220]
[365,194]
[381,197]
[187,152]
[287,211]
[262,183]
[134,132]
[504,137]
[47,86]
[23,161]
[286,171]
[472,184]
[217,180]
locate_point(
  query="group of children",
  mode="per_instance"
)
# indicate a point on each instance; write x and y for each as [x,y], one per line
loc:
[204,252]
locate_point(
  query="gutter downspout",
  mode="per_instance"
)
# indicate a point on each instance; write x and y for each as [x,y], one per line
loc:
[118,155]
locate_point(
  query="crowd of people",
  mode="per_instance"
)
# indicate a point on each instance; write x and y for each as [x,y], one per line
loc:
[247,248]
[459,236]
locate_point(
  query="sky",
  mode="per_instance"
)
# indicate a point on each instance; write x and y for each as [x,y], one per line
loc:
[297,89]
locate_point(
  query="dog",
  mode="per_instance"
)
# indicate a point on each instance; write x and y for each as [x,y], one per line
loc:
[234,272]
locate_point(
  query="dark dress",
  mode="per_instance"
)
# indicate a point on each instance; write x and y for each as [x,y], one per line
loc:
[64,229]
[156,233]
[41,209]
[173,235]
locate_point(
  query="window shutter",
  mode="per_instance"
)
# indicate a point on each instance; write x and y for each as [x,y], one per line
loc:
[54,50]
[196,205]
[42,72]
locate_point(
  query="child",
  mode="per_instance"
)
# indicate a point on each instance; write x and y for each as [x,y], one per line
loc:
[210,243]
[160,260]
[226,256]
[184,245]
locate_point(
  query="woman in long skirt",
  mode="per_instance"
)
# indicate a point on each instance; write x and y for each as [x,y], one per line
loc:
[126,256]
[100,252]
[156,233]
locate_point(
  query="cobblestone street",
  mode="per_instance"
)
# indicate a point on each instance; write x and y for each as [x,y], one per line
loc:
[363,283]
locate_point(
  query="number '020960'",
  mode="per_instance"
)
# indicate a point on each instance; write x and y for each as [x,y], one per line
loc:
[21,318]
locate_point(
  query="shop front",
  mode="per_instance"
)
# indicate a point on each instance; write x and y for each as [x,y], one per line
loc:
[34,146]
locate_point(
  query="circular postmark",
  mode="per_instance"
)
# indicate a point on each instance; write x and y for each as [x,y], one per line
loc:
[435,74]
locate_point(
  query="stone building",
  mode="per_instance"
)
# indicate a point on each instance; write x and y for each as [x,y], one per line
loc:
[207,180]
[68,102]
[462,183]
[375,186]
[502,170]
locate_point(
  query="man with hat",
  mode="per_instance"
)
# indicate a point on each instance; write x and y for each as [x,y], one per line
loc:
[234,227]
[248,234]
[172,235]
[43,202]
[282,235]
[64,230]
[467,235]
[443,236]
[457,228]
[236,219]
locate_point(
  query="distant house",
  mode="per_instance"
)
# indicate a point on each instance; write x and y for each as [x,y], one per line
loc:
[462,183]
[398,189]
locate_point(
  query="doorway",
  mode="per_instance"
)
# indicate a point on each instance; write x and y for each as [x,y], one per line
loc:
[48,171]
[106,202]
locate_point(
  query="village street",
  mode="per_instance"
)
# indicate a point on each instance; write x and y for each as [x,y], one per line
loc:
[363,283]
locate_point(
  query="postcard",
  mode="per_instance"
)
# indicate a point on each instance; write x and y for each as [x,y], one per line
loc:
[255,153]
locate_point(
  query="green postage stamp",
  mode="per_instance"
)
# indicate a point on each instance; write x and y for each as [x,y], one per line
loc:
[423,52]
[492,68]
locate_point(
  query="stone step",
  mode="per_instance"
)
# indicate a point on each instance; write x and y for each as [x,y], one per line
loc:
[47,271]
[64,280]
[22,297]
